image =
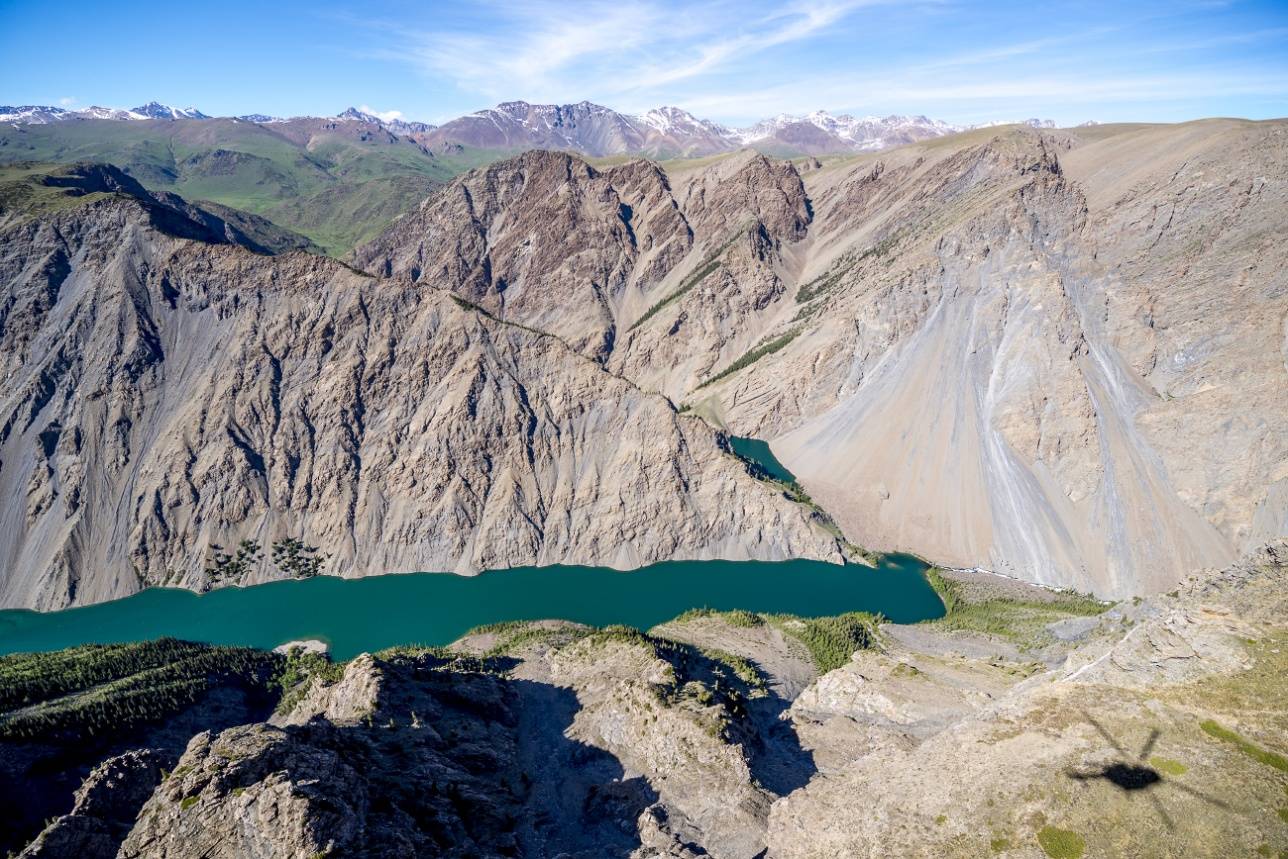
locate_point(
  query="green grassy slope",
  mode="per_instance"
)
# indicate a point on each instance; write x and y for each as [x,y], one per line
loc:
[81,691]
[35,190]
[327,181]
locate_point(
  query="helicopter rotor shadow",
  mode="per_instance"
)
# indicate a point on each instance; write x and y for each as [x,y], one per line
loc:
[1134,774]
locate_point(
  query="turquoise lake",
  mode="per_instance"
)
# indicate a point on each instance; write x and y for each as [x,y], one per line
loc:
[758,452]
[356,615]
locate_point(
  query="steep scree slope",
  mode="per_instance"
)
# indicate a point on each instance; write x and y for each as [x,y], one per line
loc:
[1055,354]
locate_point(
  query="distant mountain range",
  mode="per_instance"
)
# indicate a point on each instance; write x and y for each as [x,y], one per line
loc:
[585,127]
[35,114]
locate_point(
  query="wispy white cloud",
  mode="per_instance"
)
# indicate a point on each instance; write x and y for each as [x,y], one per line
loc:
[386,115]
[739,60]
[791,24]
[537,42]
[67,101]
[1249,37]
[552,51]
[989,95]
[1011,51]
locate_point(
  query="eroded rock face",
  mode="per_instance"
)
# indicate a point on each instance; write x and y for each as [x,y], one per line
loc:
[543,239]
[105,808]
[992,351]
[981,347]
[175,394]
[549,241]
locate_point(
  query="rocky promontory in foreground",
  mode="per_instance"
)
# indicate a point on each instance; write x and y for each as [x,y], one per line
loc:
[1025,723]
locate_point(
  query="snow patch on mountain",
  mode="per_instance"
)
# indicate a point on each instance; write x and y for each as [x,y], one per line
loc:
[856,130]
[389,120]
[157,110]
[1033,122]
[31,114]
[820,132]
[592,129]
[42,114]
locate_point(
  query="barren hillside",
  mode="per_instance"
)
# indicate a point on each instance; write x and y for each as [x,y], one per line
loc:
[1054,354]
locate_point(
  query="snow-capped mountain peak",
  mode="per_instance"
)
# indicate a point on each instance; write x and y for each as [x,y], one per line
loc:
[157,110]
[670,120]
[31,114]
[96,112]
[358,116]
[589,128]
[1031,123]
[42,114]
[664,119]
[820,131]
[397,126]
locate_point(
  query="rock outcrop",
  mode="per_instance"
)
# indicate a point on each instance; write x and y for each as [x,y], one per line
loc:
[1130,747]
[104,810]
[602,748]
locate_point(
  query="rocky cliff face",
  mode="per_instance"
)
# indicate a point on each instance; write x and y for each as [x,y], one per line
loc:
[549,241]
[987,332]
[595,256]
[992,349]
[162,395]
[104,808]
[608,745]
[543,239]
[1019,402]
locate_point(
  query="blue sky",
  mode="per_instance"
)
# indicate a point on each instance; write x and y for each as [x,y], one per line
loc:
[733,62]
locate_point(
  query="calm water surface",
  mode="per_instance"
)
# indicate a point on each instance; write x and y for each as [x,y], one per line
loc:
[355,615]
[758,452]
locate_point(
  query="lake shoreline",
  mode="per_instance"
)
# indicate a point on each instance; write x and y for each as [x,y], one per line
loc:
[372,612]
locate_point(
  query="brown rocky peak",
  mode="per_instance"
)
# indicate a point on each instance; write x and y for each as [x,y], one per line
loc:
[747,188]
[541,167]
[638,173]
[543,239]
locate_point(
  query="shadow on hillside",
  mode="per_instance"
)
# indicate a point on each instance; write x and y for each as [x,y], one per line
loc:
[777,760]
[449,760]
[578,799]
[774,754]
[39,776]
[481,764]
[1134,772]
